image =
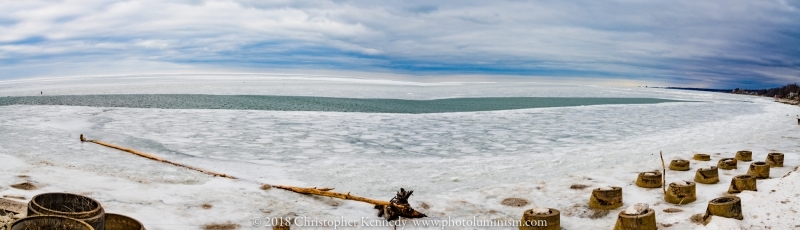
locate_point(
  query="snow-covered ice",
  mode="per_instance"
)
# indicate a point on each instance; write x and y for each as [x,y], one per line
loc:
[460,165]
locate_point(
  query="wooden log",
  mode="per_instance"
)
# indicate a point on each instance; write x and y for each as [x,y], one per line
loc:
[775,160]
[155,158]
[646,221]
[742,183]
[649,180]
[606,198]
[759,170]
[679,165]
[708,175]
[682,193]
[541,221]
[727,163]
[728,207]
[328,193]
[744,155]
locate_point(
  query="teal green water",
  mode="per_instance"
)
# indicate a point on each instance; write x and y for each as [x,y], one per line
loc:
[301,103]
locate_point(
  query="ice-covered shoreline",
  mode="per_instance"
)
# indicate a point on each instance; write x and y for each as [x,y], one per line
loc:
[460,165]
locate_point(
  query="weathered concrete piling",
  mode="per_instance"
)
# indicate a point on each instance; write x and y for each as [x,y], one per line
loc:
[679,165]
[775,160]
[606,198]
[681,192]
[759,170]
[742,183]
[727,163]
[637,217]
[701,157]
[649,180]
[728,207]
[744,155]
[709,175]
[541,219]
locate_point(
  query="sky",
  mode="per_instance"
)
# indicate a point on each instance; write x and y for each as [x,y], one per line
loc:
[690,43]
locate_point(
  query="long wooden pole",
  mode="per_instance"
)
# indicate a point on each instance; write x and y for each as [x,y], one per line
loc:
[328,193]
[151,157]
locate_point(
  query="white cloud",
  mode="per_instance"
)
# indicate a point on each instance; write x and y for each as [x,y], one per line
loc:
[627,38]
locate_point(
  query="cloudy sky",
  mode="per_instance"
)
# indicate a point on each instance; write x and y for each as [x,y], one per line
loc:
[726,43]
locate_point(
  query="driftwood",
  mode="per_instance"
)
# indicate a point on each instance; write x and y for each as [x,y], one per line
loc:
[151,157]
[391,210]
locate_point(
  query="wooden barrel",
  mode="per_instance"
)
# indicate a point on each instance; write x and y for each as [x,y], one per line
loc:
[121,222]
[50,222]
[69,205]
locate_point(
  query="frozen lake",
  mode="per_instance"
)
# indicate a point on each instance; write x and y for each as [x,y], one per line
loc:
[322,104]
[460,165]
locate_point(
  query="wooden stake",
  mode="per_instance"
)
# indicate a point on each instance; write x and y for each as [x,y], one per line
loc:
[664,174]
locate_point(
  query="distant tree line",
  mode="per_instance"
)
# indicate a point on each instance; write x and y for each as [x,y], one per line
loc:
[698,89]
[789,91]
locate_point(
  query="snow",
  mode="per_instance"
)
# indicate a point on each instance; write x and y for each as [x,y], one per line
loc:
[460,165]
[637,209]
[541,211]
[681,183]
[721,223]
